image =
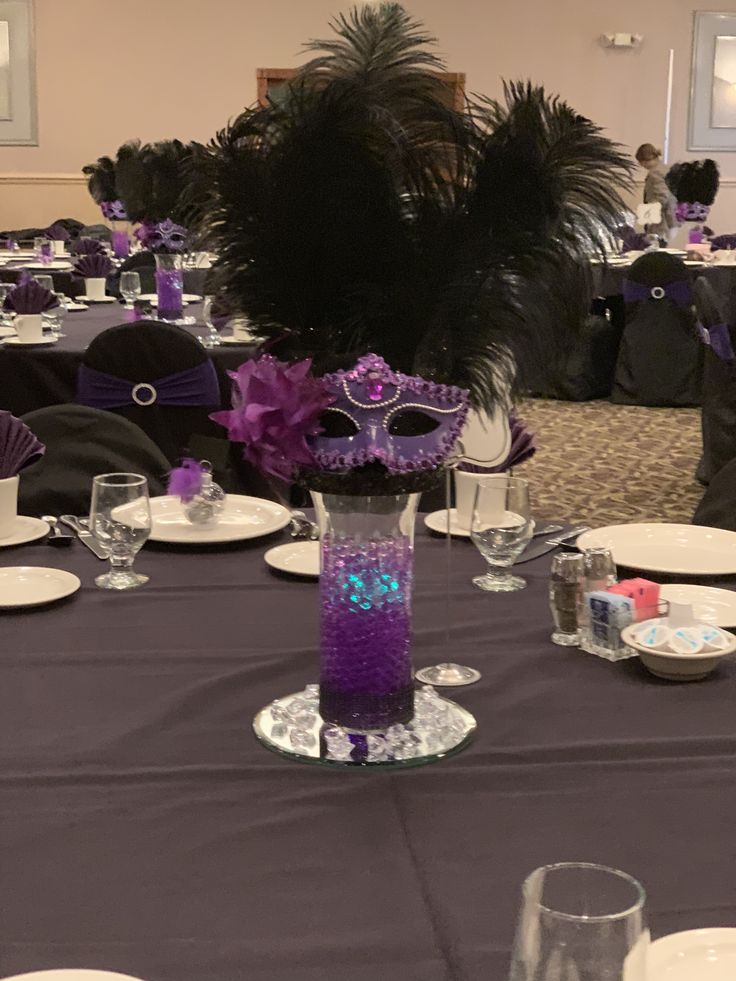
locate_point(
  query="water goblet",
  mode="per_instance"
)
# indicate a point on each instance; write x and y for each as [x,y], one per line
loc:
[580,922]
[120,519]
[500,527]
[565,585]
[130,288]
[43,249]
[54,317]
[5,288]
[212,339]
[46,281]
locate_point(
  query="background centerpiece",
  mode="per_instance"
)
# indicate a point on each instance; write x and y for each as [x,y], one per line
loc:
[395,251]
[102,186]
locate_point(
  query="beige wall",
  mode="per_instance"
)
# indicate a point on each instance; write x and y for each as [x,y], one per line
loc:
[109,71]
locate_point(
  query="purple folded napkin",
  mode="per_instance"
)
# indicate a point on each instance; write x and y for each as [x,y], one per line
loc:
[19,448]
[57,233]
[523,446]
[723,242]
[87,246]
[631,240]
[93,267]
[30,297]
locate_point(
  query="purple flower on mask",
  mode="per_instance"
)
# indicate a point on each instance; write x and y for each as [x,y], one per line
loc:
[276,405]
[185,481]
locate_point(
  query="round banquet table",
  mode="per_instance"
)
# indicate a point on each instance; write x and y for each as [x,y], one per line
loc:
[144,830]
[33,377]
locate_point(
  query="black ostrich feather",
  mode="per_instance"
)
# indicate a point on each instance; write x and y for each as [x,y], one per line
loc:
[364,212]
[101,180]
[151,179]
[694,181]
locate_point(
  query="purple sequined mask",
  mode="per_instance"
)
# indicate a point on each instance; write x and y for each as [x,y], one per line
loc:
[379,415]
[691,211]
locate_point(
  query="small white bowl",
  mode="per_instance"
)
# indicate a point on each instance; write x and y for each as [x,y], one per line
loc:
[677,667]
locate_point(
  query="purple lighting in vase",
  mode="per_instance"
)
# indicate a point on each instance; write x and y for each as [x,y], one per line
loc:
[120,244]
[169,290]
[366,671]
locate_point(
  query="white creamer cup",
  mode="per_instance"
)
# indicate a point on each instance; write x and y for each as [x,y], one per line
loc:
[8,506]
[94,289]
[29,327]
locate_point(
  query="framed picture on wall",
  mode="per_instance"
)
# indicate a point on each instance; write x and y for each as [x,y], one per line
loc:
[713,83]
[17,73]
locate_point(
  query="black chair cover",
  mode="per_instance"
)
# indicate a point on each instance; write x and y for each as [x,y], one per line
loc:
[660,360]
[717,508]
[81,443]
[144,263]
[144,352]
[718,417]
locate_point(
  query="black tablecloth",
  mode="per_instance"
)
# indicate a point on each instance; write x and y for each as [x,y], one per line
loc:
[33,377]
[145,831]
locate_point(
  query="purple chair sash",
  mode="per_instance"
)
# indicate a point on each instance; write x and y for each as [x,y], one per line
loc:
[718,339]
[195,386]
[678,292]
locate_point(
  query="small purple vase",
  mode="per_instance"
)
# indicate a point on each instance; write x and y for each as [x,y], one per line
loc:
[169,286]
[120,239]
[367,571]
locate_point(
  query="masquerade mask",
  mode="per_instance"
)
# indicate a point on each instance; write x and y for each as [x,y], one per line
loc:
[691,211]
[379,415]
[163,236]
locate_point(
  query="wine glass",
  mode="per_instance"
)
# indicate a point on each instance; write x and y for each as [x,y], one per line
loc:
[501,526]
[54,317]
[130,288]
[580,922]
[212,339]
[46,281]
[43,249]
[120,520]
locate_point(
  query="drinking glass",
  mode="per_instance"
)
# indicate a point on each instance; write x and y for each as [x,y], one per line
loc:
[5,288]
[46,281]
[120,519]
[43,248]
[55,316]
[565,585]
[212,339]
[501,527]
[130,288]
[580,922]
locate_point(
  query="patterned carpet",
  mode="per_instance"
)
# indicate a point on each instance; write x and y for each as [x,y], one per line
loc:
[602,464]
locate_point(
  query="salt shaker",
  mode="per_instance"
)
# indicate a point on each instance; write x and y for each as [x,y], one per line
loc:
[599,572]
[565,586]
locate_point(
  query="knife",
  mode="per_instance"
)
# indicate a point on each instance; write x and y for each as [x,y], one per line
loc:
[85,536]
[536,549]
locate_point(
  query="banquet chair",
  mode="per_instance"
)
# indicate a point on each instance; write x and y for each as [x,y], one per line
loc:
[159,377]
[717,507]
[81,443]
[144,263]
[718,415]
[660,360]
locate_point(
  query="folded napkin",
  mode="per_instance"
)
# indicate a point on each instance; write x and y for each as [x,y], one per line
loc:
[631,240]
[19,448]
[723,242]
[57,233]
[523,446]
[93,267]
[30,297]
[87,246]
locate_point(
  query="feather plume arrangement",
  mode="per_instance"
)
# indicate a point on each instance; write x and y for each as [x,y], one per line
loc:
[101,180]
[364,212]
[150,180]
[694,181]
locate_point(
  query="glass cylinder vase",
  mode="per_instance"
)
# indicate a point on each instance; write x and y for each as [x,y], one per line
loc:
[366,578]
[120,236]
[169,286]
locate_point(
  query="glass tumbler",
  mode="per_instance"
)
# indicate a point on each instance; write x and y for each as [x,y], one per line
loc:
[500,527]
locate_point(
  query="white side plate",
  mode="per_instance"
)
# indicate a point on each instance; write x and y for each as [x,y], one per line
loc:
[72,974]
[26,530]
[28,585]
[437,521]
[17,342]
[296,558]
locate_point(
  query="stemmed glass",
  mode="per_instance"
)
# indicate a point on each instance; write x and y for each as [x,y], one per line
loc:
[501,526]
[54,317]
[580,922]
[212,339]
[46,281]
[120,520]
[5,288]
[130,288]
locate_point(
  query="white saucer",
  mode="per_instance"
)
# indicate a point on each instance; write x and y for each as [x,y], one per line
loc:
[57,265]
[7,331]
[237,340]
[694,955]
[17,342]
[152,298]
[296,558]
[242,518]
[693,262]
[72,974]
[76,306]
[105,299]
[26,530]
[710,605]
[437,521]
[29,585]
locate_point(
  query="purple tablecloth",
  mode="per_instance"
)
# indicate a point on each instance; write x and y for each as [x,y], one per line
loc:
[33,377]
[145,831]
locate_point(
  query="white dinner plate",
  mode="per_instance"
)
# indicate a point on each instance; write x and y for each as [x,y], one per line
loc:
[105,299]
[72,974]
[29,585]
[243,517]
[437,521]
[59,265]
[296,558]
[186,297]
[237,340]
[694,955]
[17,342]
[675,549]
[694,262]
[26,530]
[710,605]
